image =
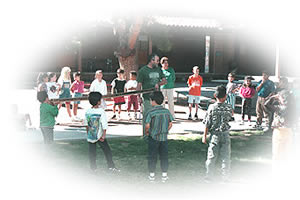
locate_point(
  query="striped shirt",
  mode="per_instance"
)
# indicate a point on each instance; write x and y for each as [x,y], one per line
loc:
[159,118]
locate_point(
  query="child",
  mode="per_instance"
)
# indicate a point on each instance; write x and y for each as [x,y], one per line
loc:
[99,85]
[158,122]
[247,91]
[231,88]
[131,85]
[48,112]
[216,123]
[195,82]
[41,82]
[65,84]
[52,86]
[77,88]
[117,86]
[96,121]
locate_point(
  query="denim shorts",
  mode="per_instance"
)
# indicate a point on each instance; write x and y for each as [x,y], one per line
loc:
[192,98]
[77,94]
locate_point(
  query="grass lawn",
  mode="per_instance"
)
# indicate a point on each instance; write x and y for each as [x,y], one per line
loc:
[251,155]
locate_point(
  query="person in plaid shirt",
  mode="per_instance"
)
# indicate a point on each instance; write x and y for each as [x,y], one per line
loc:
[158,122]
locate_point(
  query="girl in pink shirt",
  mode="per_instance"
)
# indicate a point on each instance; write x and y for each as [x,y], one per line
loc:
[77,88]
[247,91]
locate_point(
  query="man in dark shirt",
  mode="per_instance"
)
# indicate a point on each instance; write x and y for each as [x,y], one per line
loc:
[264,89]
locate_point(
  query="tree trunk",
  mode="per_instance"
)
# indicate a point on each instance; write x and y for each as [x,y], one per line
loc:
[129,64]
[127,52]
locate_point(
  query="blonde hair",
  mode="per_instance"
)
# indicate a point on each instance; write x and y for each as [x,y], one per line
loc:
[64,74]
[98,72]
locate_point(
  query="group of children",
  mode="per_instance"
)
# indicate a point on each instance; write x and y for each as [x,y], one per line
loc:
[158,120]
[62,88]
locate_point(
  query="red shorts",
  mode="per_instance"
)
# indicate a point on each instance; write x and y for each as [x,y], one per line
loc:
[119,100]
[132,100]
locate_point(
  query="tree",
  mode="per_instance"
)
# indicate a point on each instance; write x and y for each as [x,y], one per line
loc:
[127,30]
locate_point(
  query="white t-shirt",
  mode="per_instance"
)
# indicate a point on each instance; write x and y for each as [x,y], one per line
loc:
[96,120]
[97,86]
[52,88]
[131,84]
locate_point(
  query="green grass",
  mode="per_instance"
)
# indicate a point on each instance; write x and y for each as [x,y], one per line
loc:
[187,155]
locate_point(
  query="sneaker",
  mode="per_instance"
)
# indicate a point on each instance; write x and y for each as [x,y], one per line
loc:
[267,129]
[114,170]
[114,116]
[196,116]
[129,116]
[190,117]
[258,126]
[151,178]
[118,117]
[164,179]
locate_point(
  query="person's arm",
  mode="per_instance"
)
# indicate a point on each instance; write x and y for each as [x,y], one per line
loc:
[92,87]
[139,86]
[102,138]
[147,128]
[204,135]
[173,75]
[259,86]
[170,125]
[113,84]
[105,88]
[162,82]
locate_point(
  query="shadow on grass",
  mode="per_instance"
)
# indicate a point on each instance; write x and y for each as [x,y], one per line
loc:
[187,157]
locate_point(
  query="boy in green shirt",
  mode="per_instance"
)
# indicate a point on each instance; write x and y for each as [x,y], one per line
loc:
[48,112]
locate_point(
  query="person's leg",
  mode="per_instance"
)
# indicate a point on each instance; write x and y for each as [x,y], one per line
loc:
[259,111]
[92,155]
[212,155]
[68,109]
[244,105]
[119,109]
[114,108]
[51,136]
[146,107]
[267,114]
[225,154]
[170,96]
[107,152]
[152,154]
[163,156]
[249,104]
[165,94]
[75,109]
[45,135]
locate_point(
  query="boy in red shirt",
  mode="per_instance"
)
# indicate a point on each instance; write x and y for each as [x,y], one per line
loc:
[194,82]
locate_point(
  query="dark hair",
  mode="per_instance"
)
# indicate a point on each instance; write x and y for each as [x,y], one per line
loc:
[265,72]
[76,74]
[220,92]
[42,96]
[249,78]
[51,74]
[151,57]
[133,73]
[232,74]
[120,71]
[157,96]
[41,77]
[94,98]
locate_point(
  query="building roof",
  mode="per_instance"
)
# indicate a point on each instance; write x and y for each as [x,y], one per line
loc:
[186,22]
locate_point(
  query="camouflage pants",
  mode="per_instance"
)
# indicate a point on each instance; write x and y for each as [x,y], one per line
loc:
[219,149]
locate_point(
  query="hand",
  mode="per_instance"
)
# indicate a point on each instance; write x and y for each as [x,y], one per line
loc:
[102,139]
[204,139]
[156,86]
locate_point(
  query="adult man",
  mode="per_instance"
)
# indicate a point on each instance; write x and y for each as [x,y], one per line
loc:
[264,89]
[149,76]
[168,88]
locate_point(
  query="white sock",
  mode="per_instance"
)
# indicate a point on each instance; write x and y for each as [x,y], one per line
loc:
[152,174]
[164,174]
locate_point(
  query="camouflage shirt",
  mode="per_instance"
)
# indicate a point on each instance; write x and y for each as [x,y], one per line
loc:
[217,117]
